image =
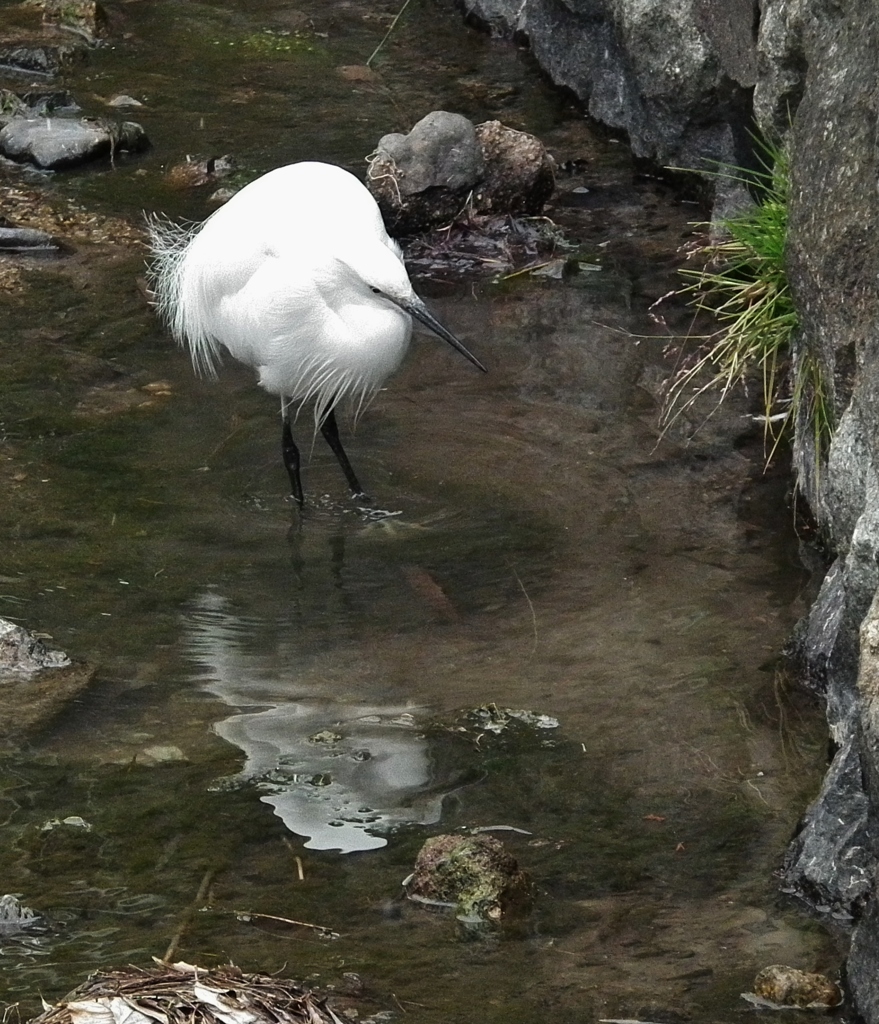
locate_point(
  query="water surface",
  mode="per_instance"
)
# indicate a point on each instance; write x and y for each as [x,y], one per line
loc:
[274,689]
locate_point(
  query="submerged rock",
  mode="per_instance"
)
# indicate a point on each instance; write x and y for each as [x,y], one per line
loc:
[194,172]
[35,680]
[445,165]
[15,916]
[359,73]
[475,875]
[86,18]
[59,142]
[28,241]
[784,986]
[124,100]
[42,59]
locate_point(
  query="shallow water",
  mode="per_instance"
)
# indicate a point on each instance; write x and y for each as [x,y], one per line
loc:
[274,688]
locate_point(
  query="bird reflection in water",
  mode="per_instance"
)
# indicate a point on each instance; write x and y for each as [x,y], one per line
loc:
[340,775]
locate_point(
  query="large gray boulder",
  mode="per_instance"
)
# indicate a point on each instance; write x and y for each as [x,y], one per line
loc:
[54,143]
[440,151]
[423,178]
[675,76]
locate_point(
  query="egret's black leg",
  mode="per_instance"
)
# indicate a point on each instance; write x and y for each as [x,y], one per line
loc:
[330,430]
[290,454]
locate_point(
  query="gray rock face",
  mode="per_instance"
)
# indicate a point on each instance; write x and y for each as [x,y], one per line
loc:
[53,143]
[827,56]
[676,76]
[818,59]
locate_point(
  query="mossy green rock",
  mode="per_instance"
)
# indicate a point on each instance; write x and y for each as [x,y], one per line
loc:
[475,874]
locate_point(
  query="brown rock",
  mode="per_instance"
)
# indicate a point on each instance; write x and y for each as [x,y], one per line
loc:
[519,173]
[786,986]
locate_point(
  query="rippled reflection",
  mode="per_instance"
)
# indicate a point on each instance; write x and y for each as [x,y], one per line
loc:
[338,774]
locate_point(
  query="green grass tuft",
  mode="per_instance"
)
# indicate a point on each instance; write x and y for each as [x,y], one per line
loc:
[743,285]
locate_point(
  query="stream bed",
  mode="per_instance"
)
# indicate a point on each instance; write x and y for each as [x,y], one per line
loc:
[286,705]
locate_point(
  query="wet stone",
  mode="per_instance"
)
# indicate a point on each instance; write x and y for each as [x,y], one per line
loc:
[15,917]
[194,172]
[34,102]
[48,101]
[161,754]
[22,653]
[45,60]
[441,151]
[424,177]
[445,166]
[35,680]
[29,241]
[519,173]
[475,875]
[786,986]
[124,100]
[116,397]
[86,18]
[56,143]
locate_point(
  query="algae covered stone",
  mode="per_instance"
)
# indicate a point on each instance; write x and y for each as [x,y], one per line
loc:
[787,986]
[474,874]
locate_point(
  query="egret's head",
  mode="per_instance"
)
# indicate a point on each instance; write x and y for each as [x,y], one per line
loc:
[385,276]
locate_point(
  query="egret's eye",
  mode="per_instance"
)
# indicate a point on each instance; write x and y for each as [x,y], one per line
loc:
[377,291]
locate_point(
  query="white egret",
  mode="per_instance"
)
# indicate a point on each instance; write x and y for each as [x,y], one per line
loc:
[295,276]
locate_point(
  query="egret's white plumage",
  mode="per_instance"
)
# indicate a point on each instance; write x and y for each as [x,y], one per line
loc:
[296,276]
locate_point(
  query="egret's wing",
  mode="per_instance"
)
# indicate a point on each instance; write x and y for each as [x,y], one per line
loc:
[266,278]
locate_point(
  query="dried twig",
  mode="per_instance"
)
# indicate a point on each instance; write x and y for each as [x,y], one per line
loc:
[530,605]
[194,907]
[375,52]
[246,915]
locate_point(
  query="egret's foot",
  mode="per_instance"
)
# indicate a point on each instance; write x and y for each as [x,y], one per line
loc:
[362,500]
[373,517]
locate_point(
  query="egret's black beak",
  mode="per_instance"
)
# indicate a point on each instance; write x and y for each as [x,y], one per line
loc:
[415,307]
